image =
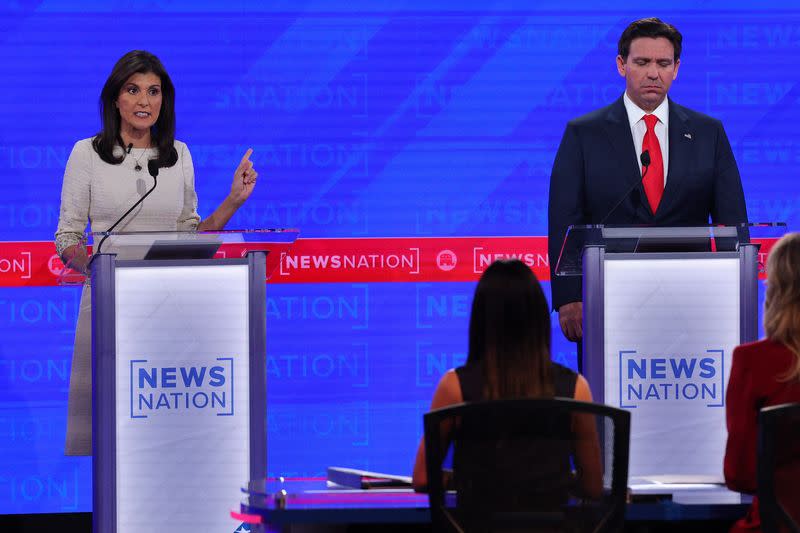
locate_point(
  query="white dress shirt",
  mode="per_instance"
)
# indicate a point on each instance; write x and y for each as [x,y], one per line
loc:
[639,128]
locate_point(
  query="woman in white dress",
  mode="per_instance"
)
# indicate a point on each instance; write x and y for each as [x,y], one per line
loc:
[107,174]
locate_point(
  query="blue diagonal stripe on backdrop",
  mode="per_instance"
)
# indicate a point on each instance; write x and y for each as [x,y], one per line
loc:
[370,195]
[464,173]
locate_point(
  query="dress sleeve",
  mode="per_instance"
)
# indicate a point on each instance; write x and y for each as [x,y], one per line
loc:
[76,194]
[742,419]
[188,219]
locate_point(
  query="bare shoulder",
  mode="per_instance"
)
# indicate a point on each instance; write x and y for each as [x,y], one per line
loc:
[448,391]
[582,390]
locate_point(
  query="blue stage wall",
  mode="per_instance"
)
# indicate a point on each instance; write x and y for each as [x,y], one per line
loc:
[368,119]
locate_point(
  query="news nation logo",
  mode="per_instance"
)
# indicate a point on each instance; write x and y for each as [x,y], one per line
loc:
[649,379]
[18,265]
[483,257]
[403,261]
[164,390]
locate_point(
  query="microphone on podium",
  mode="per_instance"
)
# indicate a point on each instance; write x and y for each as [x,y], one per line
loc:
[645,160]
[152,168]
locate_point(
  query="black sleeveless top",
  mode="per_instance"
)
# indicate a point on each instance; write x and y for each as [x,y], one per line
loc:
[470,377]
[531,470]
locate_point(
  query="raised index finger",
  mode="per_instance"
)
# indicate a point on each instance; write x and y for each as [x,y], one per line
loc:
[246,157]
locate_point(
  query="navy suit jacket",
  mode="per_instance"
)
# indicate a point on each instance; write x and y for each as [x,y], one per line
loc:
[596,164]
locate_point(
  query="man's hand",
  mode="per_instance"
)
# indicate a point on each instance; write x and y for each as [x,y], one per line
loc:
[570,316]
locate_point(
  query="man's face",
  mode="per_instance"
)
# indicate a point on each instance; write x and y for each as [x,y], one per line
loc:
[648,71]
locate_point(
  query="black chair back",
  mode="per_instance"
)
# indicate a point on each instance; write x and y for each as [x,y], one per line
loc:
[779,468]
[528,465]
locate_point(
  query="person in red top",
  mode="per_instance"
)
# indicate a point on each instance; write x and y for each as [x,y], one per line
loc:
[765,373]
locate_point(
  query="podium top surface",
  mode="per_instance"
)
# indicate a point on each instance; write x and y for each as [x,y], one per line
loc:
[159,245]
[649,239]
[311,500]
[137,238]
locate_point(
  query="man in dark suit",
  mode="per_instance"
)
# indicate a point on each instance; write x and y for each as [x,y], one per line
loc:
[597,173]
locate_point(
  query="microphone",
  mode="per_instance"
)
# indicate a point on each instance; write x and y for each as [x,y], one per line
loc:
[130,147]
[152,168]
[645,160]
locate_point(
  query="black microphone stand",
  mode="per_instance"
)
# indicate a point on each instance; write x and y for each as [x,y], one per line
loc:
[645,160]
[152,168]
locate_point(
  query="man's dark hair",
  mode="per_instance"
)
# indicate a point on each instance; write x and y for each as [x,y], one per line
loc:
[649,27]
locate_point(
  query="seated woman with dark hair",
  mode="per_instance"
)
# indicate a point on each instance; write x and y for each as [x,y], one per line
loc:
[767,373]
[509,357]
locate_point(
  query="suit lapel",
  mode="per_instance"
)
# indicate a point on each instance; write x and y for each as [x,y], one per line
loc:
[680,154]
[618,129]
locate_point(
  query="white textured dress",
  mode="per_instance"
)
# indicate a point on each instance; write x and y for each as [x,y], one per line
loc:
[95,193]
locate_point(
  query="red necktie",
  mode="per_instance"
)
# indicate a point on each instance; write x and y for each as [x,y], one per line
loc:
[654,180]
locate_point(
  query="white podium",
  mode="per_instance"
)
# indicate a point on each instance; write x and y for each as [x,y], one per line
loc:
[663,310]
[178,368]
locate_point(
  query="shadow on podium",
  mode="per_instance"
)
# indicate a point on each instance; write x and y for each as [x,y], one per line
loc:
[82,523]
[62,522]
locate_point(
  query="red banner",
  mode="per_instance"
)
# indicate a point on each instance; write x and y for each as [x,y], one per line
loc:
[405,259]
[401,259]
[29,264]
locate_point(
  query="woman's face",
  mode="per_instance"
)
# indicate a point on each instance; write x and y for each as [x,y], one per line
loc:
[139,102]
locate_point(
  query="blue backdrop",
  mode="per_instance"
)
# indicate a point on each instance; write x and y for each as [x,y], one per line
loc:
[379,118]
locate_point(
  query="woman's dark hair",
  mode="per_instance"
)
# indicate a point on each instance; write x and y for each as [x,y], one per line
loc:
[509,332]
[162,132]
[649,27]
